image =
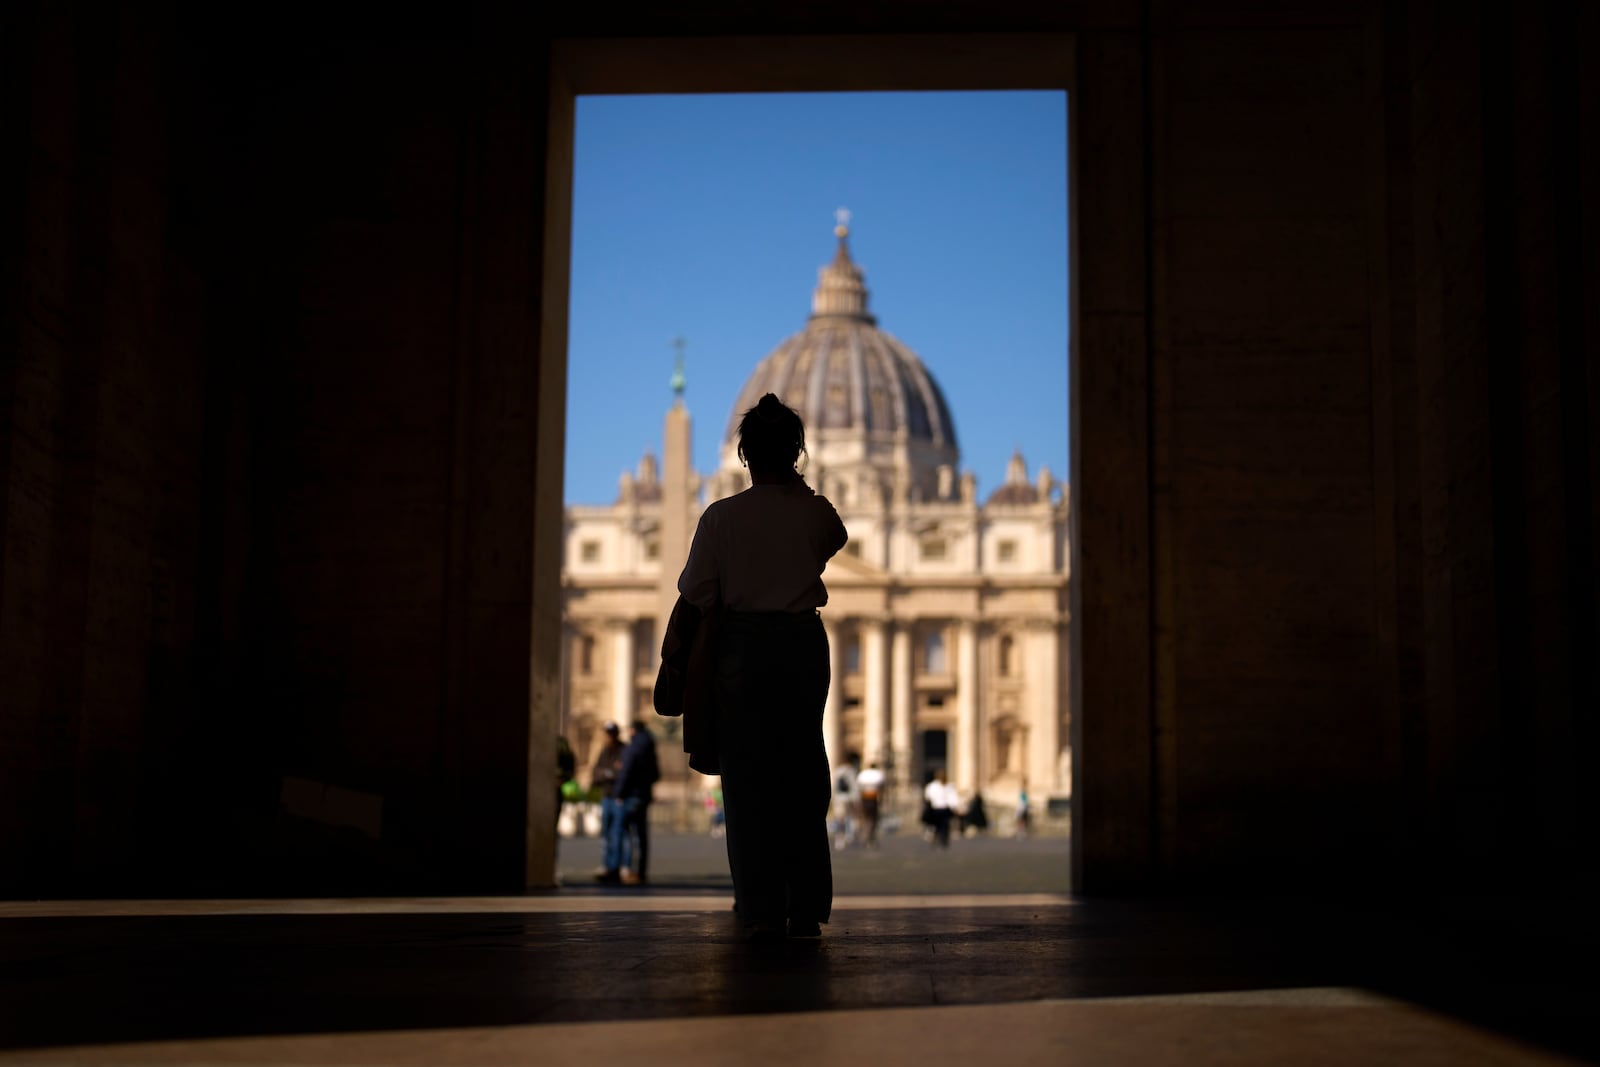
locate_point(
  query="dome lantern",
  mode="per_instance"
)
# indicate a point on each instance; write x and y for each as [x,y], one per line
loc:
[841,286]
[869,404]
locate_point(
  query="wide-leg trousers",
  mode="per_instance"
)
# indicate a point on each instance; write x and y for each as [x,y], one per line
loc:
[771,685]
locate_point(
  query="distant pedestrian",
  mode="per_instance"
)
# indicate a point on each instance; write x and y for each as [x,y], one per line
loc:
[1024,815]
[974,819]
[871,783]
[635,786]
[940,803]
[602,780]
[715,818]
[846,821]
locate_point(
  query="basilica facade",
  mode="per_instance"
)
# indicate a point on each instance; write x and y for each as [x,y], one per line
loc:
[947,613]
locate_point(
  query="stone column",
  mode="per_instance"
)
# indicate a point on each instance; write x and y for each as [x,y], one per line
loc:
[833,710]
[900,693]
[622,709]
[967,725]
[874,705]
[1044,699]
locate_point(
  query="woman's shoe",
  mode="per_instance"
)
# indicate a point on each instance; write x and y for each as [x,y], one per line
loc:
[804,928]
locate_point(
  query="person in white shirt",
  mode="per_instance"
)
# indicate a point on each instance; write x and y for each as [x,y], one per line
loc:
[870,782]
[942,801]
[759,556]
[847,802]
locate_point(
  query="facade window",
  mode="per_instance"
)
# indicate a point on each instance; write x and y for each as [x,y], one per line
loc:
[1006,551]
[585,654]
[933,654]
[852,656]
[1008,656]
[652,550]
[853,548]
[589,551]
[934,548]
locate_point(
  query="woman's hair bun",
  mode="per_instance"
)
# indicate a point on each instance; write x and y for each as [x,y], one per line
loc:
[771,435]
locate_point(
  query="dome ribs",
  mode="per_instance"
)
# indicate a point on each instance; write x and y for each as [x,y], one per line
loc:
[862,392]
[860,414]
[814,410]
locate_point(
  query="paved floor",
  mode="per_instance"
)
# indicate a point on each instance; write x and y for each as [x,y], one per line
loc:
[902,863]
[660,976]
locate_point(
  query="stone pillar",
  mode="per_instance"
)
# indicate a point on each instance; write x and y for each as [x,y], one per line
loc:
[967,725]
[622,709]
[569,634]
[874,703]
[833,710]
[900,693]
[1044,700]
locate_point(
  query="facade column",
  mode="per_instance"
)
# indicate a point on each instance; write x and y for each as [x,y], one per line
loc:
[1044,729]
[622,709]
[874,706]
[900,726]
[833,710]
[967,725]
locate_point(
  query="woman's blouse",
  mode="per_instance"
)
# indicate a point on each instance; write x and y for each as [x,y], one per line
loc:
[763,550]
[941,795]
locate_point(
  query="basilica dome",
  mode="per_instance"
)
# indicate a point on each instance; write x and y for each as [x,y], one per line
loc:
[867,400]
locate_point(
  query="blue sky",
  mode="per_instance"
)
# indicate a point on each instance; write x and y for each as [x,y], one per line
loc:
[707,217]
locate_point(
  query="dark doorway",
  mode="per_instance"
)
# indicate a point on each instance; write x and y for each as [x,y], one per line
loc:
[933,752]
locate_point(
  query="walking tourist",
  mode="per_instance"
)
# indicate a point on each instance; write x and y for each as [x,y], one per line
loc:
[871,783]
[602,780]
[636,779]
[942,800]
[975,819]
[846,821]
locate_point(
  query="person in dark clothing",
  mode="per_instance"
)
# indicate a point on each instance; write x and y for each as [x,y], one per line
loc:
[603,780]
[975,817]
[757,558]
[636,779]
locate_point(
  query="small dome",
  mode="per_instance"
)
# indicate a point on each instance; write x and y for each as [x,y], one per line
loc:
[844,375]
[1016,489]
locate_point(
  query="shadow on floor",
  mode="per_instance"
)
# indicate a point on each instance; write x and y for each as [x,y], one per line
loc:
[85,980]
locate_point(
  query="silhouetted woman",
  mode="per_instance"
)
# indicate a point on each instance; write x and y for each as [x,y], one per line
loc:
[760,555]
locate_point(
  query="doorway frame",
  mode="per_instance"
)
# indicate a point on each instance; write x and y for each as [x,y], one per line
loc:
[1109,694]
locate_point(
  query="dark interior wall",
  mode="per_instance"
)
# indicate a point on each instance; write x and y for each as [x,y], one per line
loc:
[271,390]
[394,444]
[271,385]
[1371,442]
[102,499]
[1263,549]
[1492,178]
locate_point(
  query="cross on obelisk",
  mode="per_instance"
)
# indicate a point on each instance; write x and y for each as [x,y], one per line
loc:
[677,367]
